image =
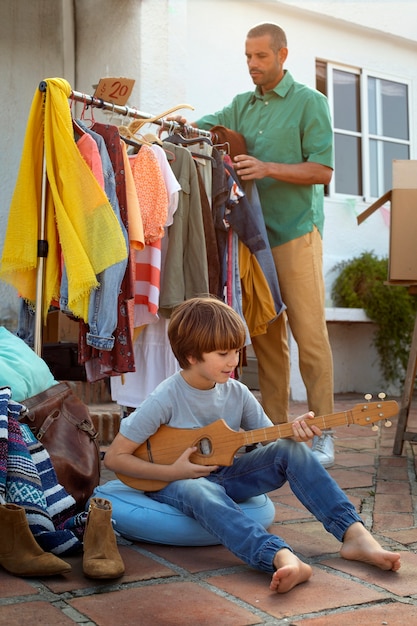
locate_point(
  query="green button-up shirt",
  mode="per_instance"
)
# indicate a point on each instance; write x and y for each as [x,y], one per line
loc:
[290,124]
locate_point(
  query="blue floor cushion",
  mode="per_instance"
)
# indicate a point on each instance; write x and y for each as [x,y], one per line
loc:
[138,517]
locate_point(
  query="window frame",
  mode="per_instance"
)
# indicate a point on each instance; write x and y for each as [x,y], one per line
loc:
[364,135]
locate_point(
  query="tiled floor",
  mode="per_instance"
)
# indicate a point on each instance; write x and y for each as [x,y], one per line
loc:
[208,586]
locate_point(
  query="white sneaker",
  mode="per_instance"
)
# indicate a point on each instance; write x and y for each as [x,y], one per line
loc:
[323,449]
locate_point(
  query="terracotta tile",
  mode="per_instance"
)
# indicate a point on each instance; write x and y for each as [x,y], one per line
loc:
[402,583]
[289,501]
[393,613]
[391,520]
[350,478]
[392,472]
[182,603]
[389,486]
[357,443]
[406,536]
[253,587]
[347,458]
[393,461]
[14,586]
[33,613]
[138,567]
[286,514]
[401,503]
[308,539]
[195,559]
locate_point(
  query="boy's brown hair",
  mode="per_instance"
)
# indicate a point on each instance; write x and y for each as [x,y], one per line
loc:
[203,325]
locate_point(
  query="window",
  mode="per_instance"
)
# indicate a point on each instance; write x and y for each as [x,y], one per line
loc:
[371,128]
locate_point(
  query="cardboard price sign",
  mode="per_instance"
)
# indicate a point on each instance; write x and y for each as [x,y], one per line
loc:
[116,90]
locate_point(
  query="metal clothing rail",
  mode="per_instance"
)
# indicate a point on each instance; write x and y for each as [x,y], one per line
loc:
[132,112]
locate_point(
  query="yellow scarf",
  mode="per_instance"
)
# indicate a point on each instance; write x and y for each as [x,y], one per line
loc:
[79,218]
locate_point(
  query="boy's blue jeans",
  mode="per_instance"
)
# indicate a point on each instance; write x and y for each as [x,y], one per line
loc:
[213,501]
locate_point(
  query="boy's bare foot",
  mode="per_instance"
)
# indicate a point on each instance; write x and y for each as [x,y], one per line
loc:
[290,571]
[359,545]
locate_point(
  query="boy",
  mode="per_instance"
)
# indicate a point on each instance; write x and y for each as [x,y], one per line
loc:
[206,336]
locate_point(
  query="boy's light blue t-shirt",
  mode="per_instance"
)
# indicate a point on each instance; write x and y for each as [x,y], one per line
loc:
[176,403]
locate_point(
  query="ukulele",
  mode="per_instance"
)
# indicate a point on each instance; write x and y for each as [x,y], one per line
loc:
[217,443]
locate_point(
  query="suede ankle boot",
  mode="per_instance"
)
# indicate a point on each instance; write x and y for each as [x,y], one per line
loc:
[20,554]
[101,557]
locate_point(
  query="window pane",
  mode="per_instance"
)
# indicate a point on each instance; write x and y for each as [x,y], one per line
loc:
[346,112]
[348,165]
[373,168]
[372,112]
[392,151]
[388,108]
[394,109]
[381,155]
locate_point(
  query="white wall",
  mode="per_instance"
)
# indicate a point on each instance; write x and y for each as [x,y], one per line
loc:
[32,44]
[192,51]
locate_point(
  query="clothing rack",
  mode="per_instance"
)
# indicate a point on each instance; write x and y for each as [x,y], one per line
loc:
[132,112]
[171,126]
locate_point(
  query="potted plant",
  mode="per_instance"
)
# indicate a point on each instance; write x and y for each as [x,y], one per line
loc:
[362,283]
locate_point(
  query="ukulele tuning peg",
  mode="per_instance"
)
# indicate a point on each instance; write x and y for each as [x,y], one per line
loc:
[388,424]
[368,396]
[382,395]
[375,428]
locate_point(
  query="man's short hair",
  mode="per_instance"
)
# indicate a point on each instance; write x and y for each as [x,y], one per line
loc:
[278,36]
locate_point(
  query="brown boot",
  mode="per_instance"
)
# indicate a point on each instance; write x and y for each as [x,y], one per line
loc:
[20,554]
[101,555]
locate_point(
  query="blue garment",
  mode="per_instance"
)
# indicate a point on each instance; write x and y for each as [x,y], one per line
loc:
[213,501]
[102,311]
[264,257]
[244,216]
[26,322]
[236,286]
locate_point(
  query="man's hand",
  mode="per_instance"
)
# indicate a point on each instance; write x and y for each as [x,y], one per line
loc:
[249,168]
[306,173]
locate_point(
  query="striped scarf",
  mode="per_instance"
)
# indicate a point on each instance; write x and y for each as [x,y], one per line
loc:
[28,479]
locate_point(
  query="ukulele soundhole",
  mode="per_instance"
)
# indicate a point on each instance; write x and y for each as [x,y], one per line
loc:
[205,447]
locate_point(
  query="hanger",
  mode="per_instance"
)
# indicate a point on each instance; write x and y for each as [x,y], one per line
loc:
[207,157]
[177,138]
[130,138]
[132,143]
[137,124]
[83,117]
[152,138]
[224,148]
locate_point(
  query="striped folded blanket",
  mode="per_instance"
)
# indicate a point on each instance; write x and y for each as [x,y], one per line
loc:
[28,479]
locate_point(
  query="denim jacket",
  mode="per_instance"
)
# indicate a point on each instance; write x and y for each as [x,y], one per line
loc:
[244,215]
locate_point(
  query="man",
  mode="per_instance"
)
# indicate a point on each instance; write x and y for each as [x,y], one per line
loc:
[289,140]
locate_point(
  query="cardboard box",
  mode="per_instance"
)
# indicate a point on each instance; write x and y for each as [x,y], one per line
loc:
[402,267]
[60,328]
